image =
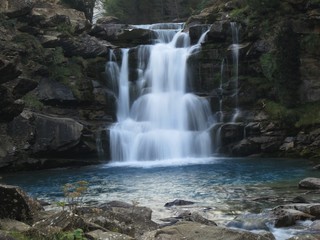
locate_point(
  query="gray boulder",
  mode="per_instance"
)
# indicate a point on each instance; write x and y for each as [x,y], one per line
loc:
[310,183]
[191,230]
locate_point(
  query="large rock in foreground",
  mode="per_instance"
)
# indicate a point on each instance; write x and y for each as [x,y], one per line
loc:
[190,230]
[310,183]
[16,204]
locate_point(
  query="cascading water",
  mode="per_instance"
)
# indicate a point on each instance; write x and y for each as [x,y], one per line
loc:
[164,121]
[235,59]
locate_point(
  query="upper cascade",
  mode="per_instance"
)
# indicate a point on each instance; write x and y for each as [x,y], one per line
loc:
[163,121]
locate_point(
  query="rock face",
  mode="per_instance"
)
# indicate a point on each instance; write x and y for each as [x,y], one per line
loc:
[52,63]
[15,204]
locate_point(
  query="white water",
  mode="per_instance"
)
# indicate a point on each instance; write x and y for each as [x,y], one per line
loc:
[98,11]
[164,122]
[235,59]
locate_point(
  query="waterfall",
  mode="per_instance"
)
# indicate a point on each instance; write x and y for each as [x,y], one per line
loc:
[98,10]
[164,121]
[235,60]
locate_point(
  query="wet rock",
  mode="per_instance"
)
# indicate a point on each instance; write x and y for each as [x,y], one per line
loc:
[317,167]
[195,217]
[219,31]
[98,234]
[315,225]
[287,215]
[16,204]
[178,202]
[231,132]
[306,237]
[196,31]
[190,230]
[245,147]
[310,183]
[299,199]
[250,222]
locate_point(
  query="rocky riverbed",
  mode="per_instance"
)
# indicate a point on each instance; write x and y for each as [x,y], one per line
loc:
[21,215]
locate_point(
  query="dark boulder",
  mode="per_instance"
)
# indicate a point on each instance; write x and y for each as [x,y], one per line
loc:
[8,70]
[53,92]
[24,86]
[178,202]
[16,204]
[83,45]
[9,107]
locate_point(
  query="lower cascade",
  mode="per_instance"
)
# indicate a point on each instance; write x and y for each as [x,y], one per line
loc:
[158,117]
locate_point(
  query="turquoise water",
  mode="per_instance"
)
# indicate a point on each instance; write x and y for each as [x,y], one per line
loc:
[224,184]
[222,188]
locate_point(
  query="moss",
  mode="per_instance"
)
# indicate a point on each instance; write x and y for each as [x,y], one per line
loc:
[311,44]
[66,29]
[268,65]
[32,102]
[31,48]
[262,85]
[67,71]
[239,14]
[286,117]
[309,115]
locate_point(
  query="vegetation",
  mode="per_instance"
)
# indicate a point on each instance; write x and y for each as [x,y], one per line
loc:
[74,193]
[31,101]
[148,11]
[306,115]
[263,6]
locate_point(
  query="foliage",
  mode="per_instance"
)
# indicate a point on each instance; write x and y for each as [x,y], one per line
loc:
[62,69]
[309,114]
[32,102]
[74,193]
[278,112]
[147,11]
[268,65]
[302,116]
[77,234]
[239,14]
[311,43]
[262,6]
